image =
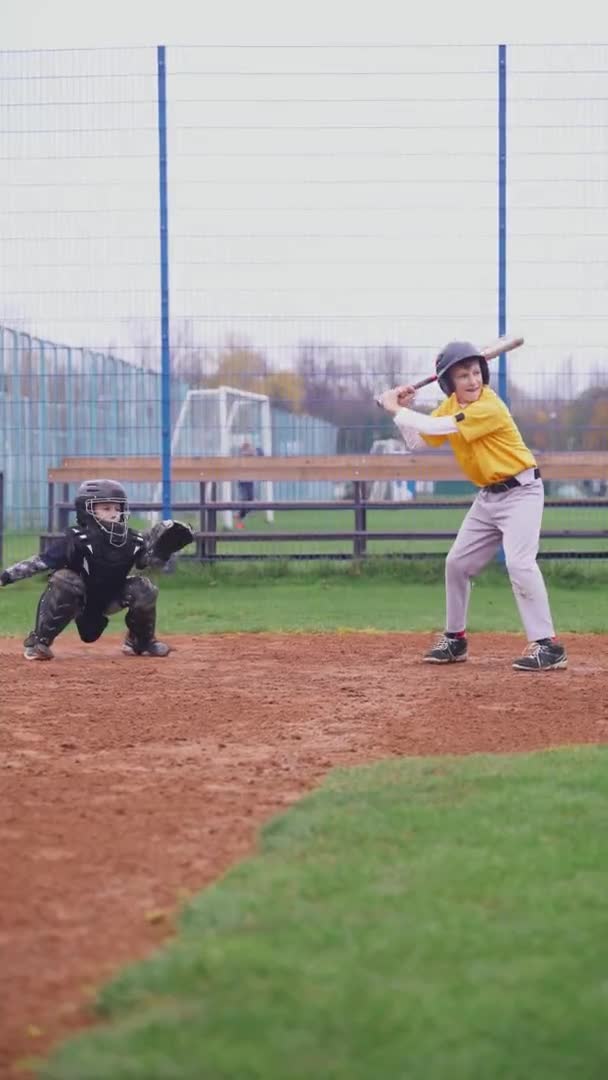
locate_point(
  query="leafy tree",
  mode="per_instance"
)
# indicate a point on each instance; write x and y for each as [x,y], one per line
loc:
[239,366]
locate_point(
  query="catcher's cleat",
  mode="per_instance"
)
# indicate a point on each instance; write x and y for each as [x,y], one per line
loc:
[542,656]
[33,649]
[447,650]
[131,647]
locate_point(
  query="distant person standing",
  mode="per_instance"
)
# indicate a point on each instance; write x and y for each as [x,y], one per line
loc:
[245,487]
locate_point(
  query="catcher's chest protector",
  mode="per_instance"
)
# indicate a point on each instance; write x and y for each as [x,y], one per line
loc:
[102,566]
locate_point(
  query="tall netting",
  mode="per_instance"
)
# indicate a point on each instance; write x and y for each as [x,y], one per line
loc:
[558,266]
[79,285]
[333,221]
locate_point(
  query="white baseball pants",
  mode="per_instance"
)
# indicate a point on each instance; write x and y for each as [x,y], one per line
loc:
[511,518]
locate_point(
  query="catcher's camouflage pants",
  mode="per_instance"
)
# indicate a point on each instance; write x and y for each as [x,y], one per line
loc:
[65,598]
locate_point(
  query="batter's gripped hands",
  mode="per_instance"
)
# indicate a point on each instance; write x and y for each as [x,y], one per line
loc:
[405,396]
[400,397]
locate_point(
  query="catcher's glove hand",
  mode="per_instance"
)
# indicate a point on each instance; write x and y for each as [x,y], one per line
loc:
[167,537]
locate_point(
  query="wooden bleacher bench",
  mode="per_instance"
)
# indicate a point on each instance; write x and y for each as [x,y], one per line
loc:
[206,469]
[359,469]
[571,465]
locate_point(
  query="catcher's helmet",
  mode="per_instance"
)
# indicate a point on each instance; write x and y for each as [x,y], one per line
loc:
[455,352]
[103,491]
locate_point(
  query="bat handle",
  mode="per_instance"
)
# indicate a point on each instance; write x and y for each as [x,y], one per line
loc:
[418,385]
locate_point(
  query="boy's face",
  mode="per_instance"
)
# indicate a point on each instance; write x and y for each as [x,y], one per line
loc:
[467,381]
[107,512]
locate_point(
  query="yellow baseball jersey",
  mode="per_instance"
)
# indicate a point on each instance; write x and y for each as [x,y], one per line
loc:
[488,445]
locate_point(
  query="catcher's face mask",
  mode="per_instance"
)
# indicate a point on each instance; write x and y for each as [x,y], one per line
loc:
[111,517]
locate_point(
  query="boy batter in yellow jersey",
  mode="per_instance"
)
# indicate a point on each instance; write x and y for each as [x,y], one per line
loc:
[507,510]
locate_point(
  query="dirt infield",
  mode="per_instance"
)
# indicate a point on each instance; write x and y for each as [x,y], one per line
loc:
[127,782]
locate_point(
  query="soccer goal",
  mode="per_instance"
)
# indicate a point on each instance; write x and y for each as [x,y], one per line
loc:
[216,423]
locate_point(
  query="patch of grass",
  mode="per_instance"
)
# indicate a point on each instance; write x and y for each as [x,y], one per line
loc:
[435,919]
[378,593]
[287,597]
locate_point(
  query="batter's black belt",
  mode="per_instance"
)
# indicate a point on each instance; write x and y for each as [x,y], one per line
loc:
[506,485]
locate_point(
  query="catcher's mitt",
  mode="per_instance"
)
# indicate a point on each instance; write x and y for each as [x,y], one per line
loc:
[167,537]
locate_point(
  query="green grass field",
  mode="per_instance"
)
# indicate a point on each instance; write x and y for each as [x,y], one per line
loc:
[425,919]
[428,919]
[380,594]
[377,596]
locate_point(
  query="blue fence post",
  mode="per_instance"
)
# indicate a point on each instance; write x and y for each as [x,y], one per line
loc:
[164,282]
[40,438]
[502,216]
[70,416]
[502,230]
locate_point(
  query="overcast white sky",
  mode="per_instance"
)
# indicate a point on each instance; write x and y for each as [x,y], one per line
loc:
[37,24]
[342,194]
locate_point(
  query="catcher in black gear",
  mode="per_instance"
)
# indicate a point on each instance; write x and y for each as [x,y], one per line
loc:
[91,573]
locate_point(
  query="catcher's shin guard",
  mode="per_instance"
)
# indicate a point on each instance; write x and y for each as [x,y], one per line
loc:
[140,599]
[62,600]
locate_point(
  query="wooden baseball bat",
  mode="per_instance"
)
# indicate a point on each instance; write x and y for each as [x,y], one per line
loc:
[489,352]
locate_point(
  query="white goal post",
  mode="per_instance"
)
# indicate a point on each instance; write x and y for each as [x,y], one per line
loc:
[215,423]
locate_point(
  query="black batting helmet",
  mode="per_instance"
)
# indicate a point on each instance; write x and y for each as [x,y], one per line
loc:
[103,491]
[455,352]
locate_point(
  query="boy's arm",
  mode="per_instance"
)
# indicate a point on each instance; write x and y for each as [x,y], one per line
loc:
[416,428]
[424,424]
[412,439]
[54,558]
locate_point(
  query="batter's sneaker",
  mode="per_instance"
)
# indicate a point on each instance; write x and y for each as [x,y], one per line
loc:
[542,656]
[447,650]
[36,650]
[132,647]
